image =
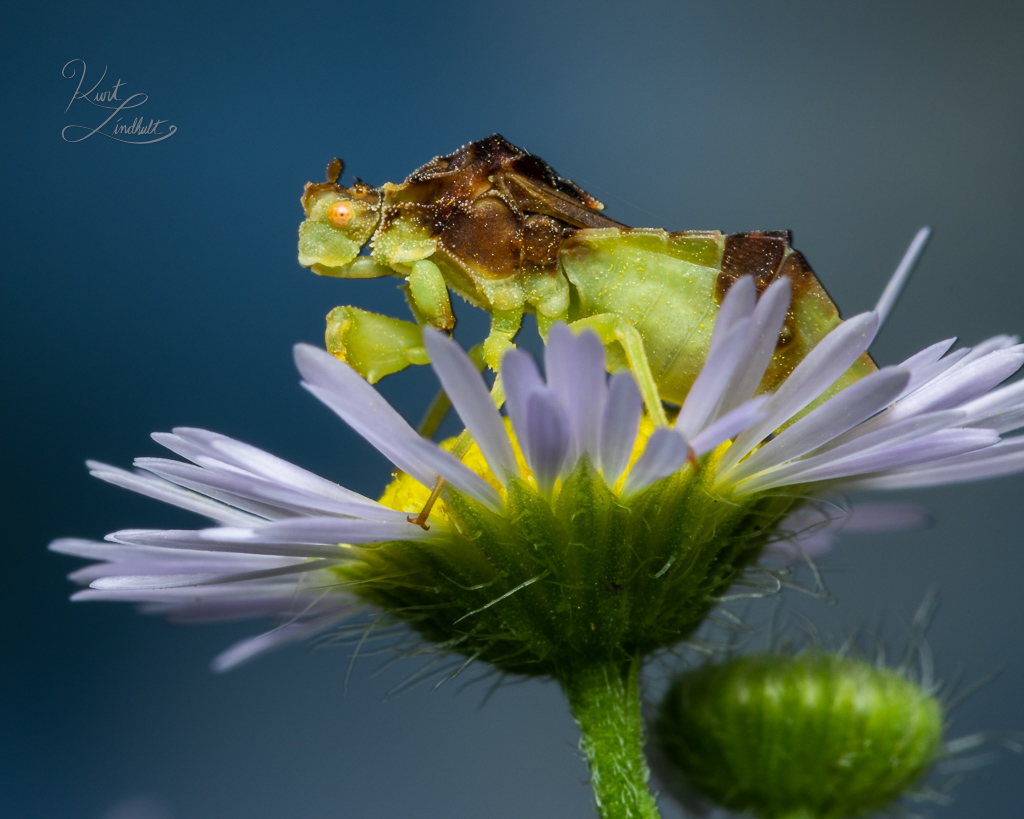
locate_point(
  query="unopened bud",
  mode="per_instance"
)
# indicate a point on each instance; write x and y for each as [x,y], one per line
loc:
[816,736]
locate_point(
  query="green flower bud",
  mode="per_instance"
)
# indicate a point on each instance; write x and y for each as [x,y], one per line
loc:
[815,736]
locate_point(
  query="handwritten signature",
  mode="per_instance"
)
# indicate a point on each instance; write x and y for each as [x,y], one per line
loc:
[112,127]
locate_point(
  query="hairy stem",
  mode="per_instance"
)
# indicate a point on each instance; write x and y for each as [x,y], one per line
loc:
[605,699]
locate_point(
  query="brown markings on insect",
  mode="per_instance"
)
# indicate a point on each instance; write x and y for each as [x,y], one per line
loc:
[767,256]
[758,254]
[495,208]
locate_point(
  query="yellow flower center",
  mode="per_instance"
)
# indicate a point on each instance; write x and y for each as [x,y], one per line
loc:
[408,495]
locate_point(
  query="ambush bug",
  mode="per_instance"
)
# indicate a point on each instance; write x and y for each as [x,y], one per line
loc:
[500,228]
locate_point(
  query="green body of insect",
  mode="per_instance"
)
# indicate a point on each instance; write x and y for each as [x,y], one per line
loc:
[500,228]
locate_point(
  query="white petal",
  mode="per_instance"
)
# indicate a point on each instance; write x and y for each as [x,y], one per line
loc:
[886,517]
[361,407]
[708,390]
[991,345]
[840,413]
[184,561]
[957,386]
[326,531]
[472,401]
[811,531]
[456,473]
[559,366]
[547,436]
[585,393]
[119,553]
[270,467]
[172,581]
[829,359]
[728,426]
[521,377]
[920,364]
[902,275]
[909,429]
[186,449]
[162,490]
[1001,422]
[191,539]
[944,443]
[815,529]
[738,304]
[664,454]
[343,390]
[260,509]
[766,324]
[253,647]
[619,424]
[268,598]
[1004,458]
[989,409]
[256,488]
[965,382]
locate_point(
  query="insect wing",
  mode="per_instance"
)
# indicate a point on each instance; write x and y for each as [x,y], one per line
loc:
[550,201]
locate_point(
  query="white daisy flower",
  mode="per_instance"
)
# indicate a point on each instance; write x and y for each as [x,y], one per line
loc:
[574,527]
[284,534]
[573,538]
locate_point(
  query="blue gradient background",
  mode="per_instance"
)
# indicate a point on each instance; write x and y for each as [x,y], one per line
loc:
[150,286]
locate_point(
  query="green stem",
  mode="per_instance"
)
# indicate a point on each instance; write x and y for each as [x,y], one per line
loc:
[434,415]
[605,699]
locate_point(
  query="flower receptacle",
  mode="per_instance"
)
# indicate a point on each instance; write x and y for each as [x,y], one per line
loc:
[585,578]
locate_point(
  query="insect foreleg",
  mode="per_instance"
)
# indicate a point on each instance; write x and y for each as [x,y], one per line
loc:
[611,328]
[372,344]
[428,295]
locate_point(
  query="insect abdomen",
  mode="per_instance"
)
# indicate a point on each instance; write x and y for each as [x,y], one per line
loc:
[669,287]
[661,283]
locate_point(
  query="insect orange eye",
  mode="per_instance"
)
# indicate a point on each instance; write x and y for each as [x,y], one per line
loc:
[340,214]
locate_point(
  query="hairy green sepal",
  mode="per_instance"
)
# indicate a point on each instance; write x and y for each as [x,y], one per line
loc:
[586,579]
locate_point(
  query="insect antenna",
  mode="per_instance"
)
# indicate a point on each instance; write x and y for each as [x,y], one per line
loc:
[334,170]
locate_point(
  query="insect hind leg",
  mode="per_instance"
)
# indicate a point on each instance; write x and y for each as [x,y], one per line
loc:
[612,328]
[505,325]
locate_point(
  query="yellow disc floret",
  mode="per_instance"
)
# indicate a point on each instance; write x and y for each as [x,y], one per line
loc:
[409,495]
